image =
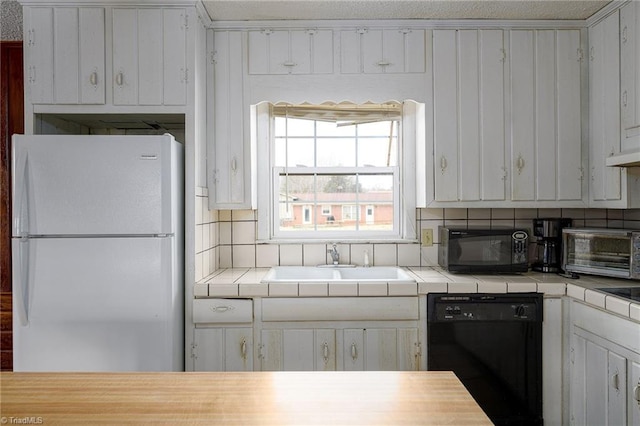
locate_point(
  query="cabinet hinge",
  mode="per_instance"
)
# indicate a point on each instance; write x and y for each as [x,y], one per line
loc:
[312,31]
[193,351]
[580,54]
[260,353]
[186,21]
[266,31]
[503,51]
[31,35]
[405,30]
[362,30]
[213,57]
[185,75]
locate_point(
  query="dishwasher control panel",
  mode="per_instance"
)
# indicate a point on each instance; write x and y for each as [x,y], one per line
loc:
[484,307]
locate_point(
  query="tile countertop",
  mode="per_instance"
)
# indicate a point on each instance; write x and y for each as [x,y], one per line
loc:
[245,282]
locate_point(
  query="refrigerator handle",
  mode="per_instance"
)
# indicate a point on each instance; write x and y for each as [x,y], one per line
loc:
[21,278]
[21,194]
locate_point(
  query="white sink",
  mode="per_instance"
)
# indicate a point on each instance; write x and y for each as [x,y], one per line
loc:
[362,275]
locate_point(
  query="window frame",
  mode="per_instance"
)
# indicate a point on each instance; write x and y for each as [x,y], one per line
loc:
[404,201]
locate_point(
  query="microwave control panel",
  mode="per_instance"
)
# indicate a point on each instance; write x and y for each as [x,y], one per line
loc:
[520,253]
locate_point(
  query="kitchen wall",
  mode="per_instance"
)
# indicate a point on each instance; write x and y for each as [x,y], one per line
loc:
[226,239]
[10,20]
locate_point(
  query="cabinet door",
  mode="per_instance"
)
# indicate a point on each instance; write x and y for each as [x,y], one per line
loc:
[596,384]
[578,385]
[298,350]
[375,349]
[617,389]
[174,56]
[125,56]
[39,43]
[468,115]
[66,62]
[445,115]
[229,140]
[521,53]
[92,55]
[223,349]
[630,76]
[634,393]
[604,109]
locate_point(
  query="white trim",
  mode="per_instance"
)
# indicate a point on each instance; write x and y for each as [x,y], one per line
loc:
[426,24]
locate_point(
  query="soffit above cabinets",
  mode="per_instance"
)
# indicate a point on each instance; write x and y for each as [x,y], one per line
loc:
[257,10]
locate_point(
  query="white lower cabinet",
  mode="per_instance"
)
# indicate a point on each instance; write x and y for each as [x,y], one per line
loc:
[604,368]
[223,335]
[380,349]
[223,349]
[328,349]
[298,350]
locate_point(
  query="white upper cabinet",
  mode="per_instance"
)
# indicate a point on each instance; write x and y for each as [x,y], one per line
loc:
[469,142]
[65,55]
[230,177]
[374,51]
[546,139]
[609,187]
[630,76]
[307,51]
[149,56]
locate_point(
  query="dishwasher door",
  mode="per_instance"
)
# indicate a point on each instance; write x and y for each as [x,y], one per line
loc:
[493,343]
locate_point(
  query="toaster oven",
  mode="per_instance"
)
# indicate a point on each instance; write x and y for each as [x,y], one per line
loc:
[602,251]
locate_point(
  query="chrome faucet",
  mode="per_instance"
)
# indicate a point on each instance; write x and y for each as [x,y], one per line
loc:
[335,256]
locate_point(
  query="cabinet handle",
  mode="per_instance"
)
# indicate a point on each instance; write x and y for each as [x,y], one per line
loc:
[234,164]
[520,164]
[93,78]
[119,78]
[354,351]
[383,63]
[623,34]
[624,99]
[636,393]
[443,163]
[289,64]
[243,348]
[615,381]
[325,352]
[221,309]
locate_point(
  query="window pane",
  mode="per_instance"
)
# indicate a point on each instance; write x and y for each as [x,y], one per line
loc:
[380,183]
[300,152]
[379,152]
[336,152]
[293,127]
[297,187]
[330,129]
[380,128]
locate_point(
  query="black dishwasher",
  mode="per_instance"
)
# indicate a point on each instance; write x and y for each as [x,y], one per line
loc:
[493,343]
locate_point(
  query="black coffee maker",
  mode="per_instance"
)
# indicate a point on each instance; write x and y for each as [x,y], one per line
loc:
[549,244]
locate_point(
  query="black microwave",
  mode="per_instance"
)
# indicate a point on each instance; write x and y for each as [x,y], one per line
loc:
[483,250]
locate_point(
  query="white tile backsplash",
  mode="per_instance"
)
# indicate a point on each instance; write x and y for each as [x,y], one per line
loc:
[228,238]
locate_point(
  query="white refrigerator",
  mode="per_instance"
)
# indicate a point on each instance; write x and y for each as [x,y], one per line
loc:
[97,253]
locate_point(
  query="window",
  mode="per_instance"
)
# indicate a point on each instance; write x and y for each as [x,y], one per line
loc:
[334,171]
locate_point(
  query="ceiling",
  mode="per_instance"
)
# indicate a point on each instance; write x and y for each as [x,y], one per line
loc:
[241,10]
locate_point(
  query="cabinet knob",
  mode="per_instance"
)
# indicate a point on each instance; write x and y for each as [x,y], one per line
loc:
[636,393]
[354,351]
[120,78]
[234,164]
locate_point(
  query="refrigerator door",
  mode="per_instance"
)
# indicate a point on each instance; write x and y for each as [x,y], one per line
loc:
[97,304]
[94,185]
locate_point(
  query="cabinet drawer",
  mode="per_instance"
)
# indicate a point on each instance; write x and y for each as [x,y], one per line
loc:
[222,311]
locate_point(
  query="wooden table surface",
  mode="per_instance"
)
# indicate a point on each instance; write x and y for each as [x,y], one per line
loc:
[260,398]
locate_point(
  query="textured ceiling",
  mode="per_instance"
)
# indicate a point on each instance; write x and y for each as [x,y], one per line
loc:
[241,10]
